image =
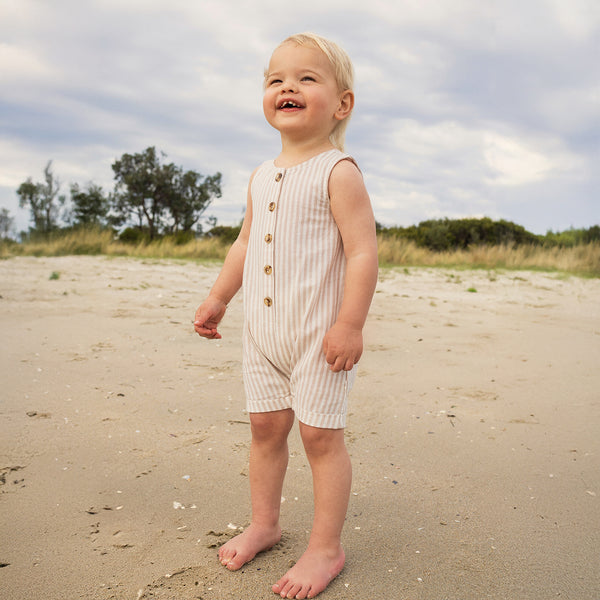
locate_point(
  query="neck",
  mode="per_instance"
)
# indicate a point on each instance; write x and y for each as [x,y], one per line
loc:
[294,152]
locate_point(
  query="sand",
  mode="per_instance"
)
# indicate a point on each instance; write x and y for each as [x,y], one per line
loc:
[474,431]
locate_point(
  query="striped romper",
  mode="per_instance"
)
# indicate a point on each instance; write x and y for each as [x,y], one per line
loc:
[293,287]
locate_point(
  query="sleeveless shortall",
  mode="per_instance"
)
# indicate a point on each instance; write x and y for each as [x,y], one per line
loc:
[293,288]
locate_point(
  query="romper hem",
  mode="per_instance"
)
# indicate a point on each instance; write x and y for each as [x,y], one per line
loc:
[307,417]
[334,421]
[269,404]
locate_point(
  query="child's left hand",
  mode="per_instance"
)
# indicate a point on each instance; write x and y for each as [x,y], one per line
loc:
[342,346]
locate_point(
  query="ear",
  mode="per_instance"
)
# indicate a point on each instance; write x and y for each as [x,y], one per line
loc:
[345,106]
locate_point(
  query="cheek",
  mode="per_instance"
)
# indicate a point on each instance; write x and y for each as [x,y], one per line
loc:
[321,102]
[270,97]
[268,104]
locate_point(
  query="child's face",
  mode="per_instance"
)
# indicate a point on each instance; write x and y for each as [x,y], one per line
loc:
[301,98]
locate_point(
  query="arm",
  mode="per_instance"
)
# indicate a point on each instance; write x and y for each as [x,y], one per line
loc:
[229,281]
[351,208]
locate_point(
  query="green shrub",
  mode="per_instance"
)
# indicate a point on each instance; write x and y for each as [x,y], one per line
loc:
[226,234]
[134,235]
[441,235]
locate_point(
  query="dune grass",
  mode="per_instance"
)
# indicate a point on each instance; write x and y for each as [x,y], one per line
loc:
[583,260]
[578,260]
[92,242]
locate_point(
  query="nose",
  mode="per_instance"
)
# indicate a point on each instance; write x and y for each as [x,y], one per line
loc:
[289,85]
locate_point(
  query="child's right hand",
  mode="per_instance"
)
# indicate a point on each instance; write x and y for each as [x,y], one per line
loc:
[208,316]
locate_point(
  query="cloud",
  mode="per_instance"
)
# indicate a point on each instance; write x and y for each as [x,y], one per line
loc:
[512,162]
[462,108]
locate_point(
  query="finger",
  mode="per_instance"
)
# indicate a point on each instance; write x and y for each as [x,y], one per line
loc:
[353,361]
[337,365]
[330,356]
[207,333]
[335,362]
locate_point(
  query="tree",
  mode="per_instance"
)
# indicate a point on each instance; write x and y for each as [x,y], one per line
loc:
[161,197]
[90,206]
[29,195]
[191,198]
[43,200]
[135,189]
[7,224]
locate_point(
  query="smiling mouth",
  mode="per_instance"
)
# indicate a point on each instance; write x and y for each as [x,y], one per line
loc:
[289,104]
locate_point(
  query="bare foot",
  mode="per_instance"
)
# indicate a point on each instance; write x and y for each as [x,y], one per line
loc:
[244,547]
[310,575]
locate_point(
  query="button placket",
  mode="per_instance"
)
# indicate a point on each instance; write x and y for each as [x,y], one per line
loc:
[268,239]
[268,269]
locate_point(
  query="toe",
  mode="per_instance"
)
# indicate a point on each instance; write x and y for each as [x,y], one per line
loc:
[227,558]
[284,588]
[235,563]
[303,593]
[279,587]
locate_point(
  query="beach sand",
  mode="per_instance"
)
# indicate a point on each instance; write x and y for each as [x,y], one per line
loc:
[474,431]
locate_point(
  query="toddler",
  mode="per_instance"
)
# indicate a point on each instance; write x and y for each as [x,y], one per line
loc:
[306,257]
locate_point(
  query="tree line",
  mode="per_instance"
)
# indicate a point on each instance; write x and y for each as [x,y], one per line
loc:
[441,235]
[151,198]
[455,234]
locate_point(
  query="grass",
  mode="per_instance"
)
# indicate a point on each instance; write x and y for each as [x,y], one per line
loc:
[579,260]
[90,242]
[583,260]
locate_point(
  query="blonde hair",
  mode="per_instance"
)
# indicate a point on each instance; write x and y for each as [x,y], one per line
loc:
[342,68]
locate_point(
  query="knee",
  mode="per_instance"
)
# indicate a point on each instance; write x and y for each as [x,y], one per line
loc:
[318,442]
[272,427]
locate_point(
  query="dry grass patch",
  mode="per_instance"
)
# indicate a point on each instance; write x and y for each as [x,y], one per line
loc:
[580,260]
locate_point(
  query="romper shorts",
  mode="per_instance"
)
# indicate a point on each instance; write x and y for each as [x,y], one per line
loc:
[317,395]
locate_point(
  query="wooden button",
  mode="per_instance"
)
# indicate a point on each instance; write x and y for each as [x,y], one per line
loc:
[268,269]
[268,238]
[271,206]
[268,301]
[278,177]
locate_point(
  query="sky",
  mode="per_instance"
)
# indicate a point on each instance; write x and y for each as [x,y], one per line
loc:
[464,108]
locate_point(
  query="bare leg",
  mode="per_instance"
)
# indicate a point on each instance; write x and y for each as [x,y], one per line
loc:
[268,463]
[332,477]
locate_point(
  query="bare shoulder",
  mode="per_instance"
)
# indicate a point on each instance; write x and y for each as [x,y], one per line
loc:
[351,206]
[346,186]
[345,170]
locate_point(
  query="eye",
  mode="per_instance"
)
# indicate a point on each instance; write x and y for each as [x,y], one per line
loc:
[308,78]
[273,82]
